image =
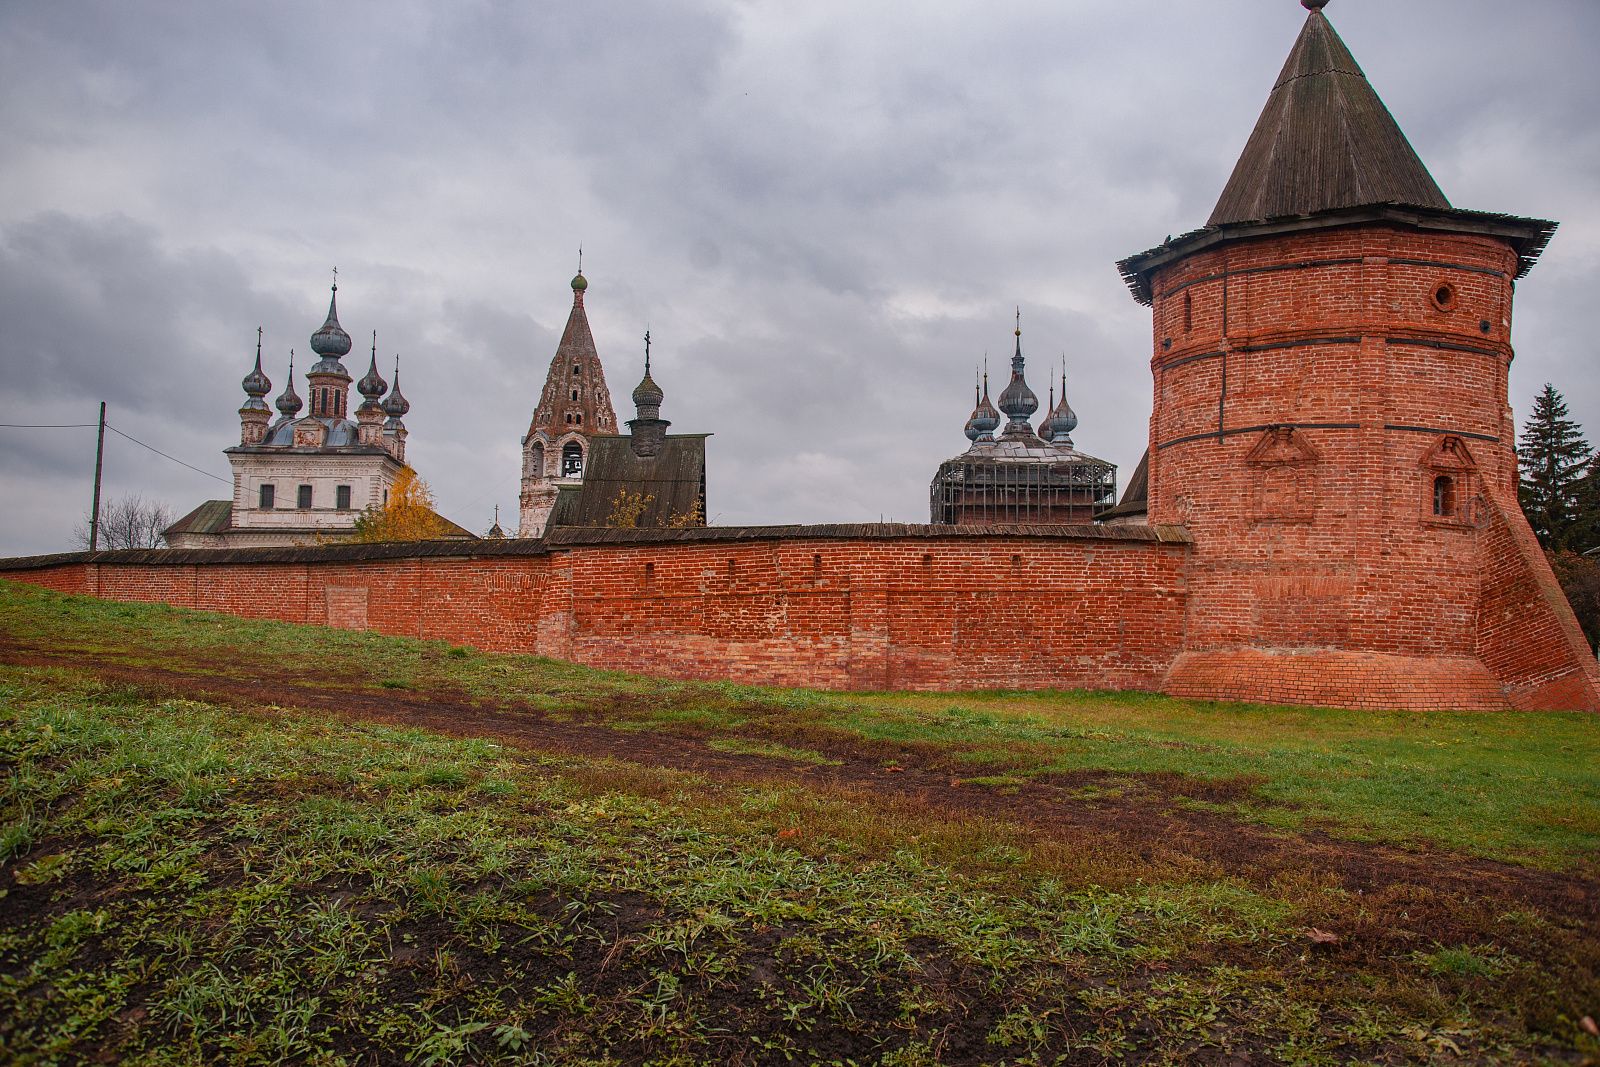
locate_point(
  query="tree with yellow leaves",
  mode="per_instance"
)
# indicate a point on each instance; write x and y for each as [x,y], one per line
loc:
[407,515]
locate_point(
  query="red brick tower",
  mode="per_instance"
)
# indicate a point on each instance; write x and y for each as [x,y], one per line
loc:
[1331,423]
[574,406]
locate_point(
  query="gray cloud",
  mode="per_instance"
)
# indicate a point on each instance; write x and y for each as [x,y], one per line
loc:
[825,214]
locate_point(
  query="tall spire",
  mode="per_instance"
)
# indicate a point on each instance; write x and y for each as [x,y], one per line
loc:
[1324,141]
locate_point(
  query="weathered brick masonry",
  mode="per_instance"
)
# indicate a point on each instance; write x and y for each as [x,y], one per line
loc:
[839,607]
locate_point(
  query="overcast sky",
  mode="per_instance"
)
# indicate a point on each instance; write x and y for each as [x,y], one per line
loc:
[824,212]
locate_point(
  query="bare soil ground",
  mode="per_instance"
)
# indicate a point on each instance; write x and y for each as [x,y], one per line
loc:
[1149,815]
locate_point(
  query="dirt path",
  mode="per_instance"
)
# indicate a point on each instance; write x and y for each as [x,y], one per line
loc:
[1149,824]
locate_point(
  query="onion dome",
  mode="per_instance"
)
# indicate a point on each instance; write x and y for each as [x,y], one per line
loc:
[289,402]
[395,405]
[372,384]
[1047,431]
[330,341]
[1063,420]
[579,282]
[985,419]
[256,384]
[1017,401]
[647,395]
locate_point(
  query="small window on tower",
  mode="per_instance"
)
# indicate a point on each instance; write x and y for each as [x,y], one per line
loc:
[341,496]
[574,394]
[1444,496]
[304,500]
[580,418]
[574,370]
[572,460]
[267,494]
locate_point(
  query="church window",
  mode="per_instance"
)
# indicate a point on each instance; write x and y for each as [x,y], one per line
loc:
[572,460]
[574,370]
[267,493]
[1188,311]
[574,394]
[304,500]
[1444,496]
[579,418]
[341,495]
[536,460]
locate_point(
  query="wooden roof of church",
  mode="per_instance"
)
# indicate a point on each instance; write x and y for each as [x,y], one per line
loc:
[669,486]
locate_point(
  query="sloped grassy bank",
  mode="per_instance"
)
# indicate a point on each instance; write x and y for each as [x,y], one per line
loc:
[185,881]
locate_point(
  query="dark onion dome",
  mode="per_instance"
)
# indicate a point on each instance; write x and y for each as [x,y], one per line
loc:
[971,428]
[257,384]
[1063,420]
[395,405]
[1017,401]
[330,340]
[289,403]
[647,395]
[372,384]
[985,419]
[579,283]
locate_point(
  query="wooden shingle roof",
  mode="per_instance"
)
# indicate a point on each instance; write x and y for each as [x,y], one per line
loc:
[1325,140]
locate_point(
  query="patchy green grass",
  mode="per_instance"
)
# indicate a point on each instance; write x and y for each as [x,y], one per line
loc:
[1523,787]
[188,883]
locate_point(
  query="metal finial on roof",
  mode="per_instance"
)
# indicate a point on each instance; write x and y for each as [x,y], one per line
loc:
[1018,330]
[336,279]
[647,351]
[1313,5]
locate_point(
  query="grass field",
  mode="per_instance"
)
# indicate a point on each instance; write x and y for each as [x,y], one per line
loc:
[227,841]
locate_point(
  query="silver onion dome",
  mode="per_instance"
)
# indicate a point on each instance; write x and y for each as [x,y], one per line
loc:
[256,384]
[395,405]
[1017,401]
[330,340]
[372,385]
[289,403]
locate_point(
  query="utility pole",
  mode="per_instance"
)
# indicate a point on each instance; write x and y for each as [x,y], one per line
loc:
[99,454]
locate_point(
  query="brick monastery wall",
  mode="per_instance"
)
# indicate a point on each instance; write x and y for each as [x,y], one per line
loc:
[1322,534]
[833,608]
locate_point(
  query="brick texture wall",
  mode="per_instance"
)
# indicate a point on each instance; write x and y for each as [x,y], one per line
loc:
[879,612]
[1310,391]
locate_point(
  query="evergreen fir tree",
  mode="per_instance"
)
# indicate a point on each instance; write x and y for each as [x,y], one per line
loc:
[1555,491]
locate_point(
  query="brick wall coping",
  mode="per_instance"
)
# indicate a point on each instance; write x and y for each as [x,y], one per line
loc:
[573,537]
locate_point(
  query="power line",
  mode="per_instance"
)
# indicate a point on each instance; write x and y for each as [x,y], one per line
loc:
[48,425]
[163,455]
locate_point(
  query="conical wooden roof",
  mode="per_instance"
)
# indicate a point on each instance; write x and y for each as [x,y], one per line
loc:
[1325,140]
